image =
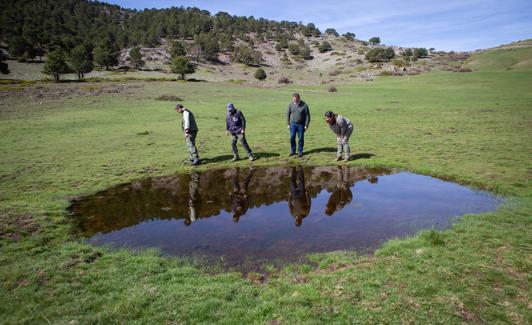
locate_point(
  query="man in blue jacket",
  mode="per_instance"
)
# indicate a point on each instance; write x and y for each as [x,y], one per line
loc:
[297,119]
[236,127]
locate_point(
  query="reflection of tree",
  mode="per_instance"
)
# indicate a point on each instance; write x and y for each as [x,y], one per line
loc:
[299,198]
[342,195]
[239,195]
[194,199]
[178,197]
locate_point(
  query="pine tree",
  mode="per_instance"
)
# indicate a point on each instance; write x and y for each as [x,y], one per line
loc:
[182,66]
[80,61]
[55,64]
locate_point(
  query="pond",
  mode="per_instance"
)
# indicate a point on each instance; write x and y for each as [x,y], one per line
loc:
[245,217]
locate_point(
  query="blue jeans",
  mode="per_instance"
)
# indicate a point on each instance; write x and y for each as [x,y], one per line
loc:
[300,130]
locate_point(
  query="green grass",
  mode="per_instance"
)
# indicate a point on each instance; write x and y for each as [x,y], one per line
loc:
[505,58]
[472,128]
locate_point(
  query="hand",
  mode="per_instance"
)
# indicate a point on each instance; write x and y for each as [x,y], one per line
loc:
[306,127]
[187,135]
[288,126]
[227,132]
[242,131]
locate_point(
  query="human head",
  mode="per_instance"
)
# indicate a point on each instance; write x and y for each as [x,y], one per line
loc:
[179,108]
[299,221]
[329,117]
[231,108]
[296,98]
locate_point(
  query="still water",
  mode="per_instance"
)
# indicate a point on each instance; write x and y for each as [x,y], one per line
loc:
[247,216]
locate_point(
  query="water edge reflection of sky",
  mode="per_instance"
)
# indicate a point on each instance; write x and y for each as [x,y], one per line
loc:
[251,215]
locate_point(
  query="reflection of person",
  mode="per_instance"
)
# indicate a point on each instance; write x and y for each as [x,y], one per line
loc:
[297,119]
[190,128]
[342,195]
[193,199]
[239,196]
[343,128]
[236,127]
[299,198]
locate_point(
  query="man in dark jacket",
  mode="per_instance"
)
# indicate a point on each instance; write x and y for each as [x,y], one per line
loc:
[297,119]
[236,127]
[190,128]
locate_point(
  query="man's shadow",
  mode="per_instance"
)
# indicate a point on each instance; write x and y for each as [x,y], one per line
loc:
[221,158]
[365,155]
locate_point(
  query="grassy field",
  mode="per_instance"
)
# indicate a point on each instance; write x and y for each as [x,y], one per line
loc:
[63,140]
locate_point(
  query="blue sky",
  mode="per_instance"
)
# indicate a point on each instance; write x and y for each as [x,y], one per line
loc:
[444,25]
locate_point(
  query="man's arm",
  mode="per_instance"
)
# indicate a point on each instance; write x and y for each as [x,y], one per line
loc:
[288,115]
[307,121]
[243,120]
[186,121]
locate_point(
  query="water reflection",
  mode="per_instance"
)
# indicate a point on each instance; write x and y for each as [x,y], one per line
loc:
[298,198]
[239,196]
[272,212]
[342,194]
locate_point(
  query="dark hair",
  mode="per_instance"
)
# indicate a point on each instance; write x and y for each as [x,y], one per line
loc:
[296,95]
[329,114]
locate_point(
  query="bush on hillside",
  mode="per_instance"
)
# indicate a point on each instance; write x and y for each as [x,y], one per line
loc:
[260,74]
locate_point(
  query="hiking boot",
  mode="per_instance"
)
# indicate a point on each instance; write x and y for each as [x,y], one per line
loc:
[337,158]
[196,162]
[299,155]
[251,157]
[235,158]
[346,158]
[292,153]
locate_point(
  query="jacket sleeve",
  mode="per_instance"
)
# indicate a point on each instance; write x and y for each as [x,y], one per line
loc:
[307,121]
[243,120]
[227,123]
[186,120]
[288,115]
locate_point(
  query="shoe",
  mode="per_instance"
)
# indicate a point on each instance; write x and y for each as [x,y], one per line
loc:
[235,158]
[346,159]
[292,153]
[299,155]
[251,158]
[337,158]
[196,162]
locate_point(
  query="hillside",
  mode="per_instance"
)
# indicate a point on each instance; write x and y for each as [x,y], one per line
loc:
[288,51]
[516,55]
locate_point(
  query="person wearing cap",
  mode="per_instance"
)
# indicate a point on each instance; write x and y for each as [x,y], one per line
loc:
[190,128]
[236,127]
[343,128]
[297,119]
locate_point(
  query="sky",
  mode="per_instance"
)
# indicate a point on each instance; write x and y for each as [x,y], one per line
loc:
[448,25]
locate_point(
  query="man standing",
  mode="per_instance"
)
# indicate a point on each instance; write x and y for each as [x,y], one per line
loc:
[236,127]
[343,128]
[298,119]
[190,128]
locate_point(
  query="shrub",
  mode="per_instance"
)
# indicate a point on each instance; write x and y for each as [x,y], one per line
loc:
[375,40]
[284,80]
[332,89]
[260,74]
[293,48]
[421,53]
[349,36]
[331,31]
[324,47]
[380,54]
[305,53]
